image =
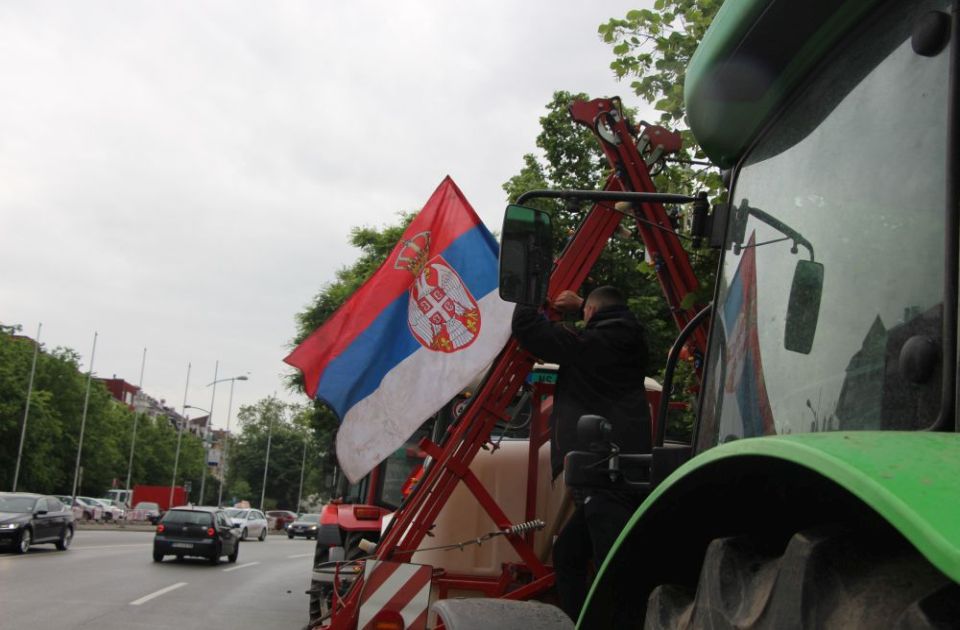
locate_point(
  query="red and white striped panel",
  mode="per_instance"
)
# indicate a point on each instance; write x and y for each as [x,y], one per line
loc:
[399,587]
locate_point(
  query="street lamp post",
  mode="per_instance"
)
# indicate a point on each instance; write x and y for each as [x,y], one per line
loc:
[206,457]
[226,437]
[266,464]
[26,411]
[176,457]
[303,465]
[205,449]
[83,422]
[136,416]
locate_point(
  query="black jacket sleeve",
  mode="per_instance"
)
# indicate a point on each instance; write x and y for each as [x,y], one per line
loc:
[555,342]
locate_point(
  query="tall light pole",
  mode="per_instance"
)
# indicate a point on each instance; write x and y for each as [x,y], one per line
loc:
[205,448]
[266,463]
[83,422]
[136,416]
[303,465]
[206,457]
[183,419]
[26,412]
[226,437]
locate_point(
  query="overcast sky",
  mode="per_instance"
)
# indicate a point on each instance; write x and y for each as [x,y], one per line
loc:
[183,176]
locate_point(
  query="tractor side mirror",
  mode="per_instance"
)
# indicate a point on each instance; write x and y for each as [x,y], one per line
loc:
[526,255]
[803,309]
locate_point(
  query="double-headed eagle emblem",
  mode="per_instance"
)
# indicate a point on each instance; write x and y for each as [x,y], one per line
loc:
[441,313]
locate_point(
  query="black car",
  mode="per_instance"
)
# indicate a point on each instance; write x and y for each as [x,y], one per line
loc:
[196,531]
[306,525]
[27,519]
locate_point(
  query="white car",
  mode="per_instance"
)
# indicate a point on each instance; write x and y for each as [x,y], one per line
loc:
[251,522]
[111,512]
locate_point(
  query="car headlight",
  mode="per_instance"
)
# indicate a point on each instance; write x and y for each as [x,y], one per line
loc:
[9,525]
[313,527]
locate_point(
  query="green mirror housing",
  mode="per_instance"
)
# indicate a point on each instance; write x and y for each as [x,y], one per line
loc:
[803,310]
[526,255]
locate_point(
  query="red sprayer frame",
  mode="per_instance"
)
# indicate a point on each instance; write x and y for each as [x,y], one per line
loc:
[451,461]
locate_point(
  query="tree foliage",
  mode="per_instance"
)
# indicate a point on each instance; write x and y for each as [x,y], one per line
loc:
[287,428]
[653,48]
[53,428]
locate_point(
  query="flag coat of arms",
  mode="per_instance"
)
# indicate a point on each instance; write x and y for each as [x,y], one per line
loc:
[413,336]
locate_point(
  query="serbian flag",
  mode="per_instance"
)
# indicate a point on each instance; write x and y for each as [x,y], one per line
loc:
[412,337]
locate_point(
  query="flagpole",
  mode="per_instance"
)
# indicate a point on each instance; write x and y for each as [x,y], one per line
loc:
[206,455]
[26,412]
[136,416]
[183,421]
[83,421]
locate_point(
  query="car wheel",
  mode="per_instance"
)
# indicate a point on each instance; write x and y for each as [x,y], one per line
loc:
[236,552]
[157,556]
[243,534]
[215,558]
[290,536]
[26,537]
[66,537]
[263,535]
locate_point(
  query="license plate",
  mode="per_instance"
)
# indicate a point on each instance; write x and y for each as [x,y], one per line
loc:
[183,545]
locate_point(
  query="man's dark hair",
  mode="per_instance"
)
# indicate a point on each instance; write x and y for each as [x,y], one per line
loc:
[602,297]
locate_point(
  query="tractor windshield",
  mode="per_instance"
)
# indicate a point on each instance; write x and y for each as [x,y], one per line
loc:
[852,176]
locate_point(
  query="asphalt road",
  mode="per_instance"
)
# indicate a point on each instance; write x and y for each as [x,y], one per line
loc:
[108,580]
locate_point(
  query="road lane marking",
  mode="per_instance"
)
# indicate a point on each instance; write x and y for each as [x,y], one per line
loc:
[147,598]
[240,566]
[302,555]
[84,547]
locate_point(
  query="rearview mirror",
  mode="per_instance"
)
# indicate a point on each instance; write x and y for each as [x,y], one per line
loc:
[526,255]
[803,310]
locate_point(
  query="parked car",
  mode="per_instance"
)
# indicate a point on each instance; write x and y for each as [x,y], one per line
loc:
[306,525]
[109,511]
[196,531]
[27,519]
[279,519]
[251,522]
[83,509]
[147,510]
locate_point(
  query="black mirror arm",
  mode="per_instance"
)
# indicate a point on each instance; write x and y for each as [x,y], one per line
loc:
[797,238]
[672,359]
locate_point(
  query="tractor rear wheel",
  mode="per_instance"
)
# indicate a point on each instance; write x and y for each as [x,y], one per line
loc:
[826,577]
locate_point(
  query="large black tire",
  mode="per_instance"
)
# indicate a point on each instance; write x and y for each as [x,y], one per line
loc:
[157,556]
[243,534]
[263,535]
[66,537]
[825,578]
[290,536]
[232,558]
[215,558]
[25,540]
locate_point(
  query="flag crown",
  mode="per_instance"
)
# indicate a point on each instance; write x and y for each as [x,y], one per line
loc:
[414,253]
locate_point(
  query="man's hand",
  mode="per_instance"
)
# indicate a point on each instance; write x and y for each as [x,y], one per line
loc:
[568,302]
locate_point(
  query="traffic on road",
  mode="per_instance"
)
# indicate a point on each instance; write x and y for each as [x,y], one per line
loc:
[108,578]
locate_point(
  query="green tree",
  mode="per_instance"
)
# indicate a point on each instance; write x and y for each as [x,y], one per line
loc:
[287,428]
[653,48]
[53,427]
[571,158]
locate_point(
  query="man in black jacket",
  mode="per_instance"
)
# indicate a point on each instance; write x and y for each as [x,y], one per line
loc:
[602,369]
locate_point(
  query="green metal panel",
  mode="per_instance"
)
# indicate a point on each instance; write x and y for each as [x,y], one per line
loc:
[912,479]
[726,119]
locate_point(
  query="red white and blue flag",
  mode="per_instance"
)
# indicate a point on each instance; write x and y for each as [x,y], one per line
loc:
[413,336]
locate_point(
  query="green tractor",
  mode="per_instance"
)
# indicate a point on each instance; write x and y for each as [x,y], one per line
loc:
[823,487]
